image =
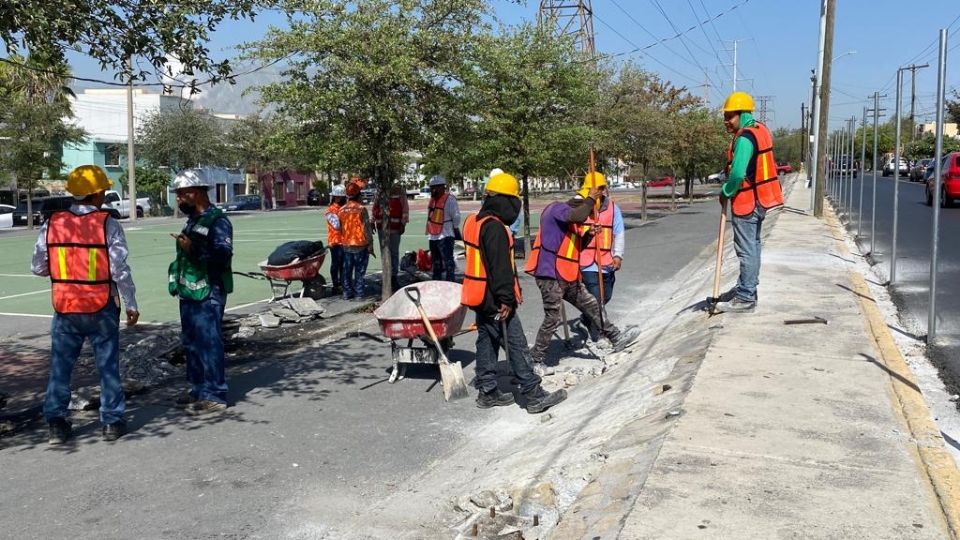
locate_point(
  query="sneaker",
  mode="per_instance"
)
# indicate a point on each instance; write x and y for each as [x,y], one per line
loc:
[540,400]
[112,432]
[487,400]
[205,406]
[185,400]
[737,305]
[59,431]
[728,296]
[542,370]
[626,338]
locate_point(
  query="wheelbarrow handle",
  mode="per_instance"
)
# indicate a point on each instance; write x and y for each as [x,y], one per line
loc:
[413,293]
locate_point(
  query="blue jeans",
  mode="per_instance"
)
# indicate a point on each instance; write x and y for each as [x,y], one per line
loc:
[354,269]
[202,339]
[69,331]
[490,340]
[592,283]
[441,252]
[746,243]
[336,265]
[393,242]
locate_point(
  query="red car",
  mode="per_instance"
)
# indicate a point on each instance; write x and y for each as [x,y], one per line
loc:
[665,181]
[784,168]
[949,181]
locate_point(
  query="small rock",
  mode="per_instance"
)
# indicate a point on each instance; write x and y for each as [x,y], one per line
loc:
[954,397]
[268,320]
[6,426]
[463,504]
[132,387]
[535,500]
[674,413]
[245,332]
[285,314]
[546,417]
[84,399]
[305,307]
[485,499]
[570,379]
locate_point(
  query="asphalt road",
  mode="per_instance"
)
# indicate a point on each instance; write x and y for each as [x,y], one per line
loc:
[314,431]
[911,291]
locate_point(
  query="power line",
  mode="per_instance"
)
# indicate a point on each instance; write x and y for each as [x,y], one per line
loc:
[625,38]
[703,29]
[656,3]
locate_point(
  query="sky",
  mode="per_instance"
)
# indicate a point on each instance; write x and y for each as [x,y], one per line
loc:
[776,40]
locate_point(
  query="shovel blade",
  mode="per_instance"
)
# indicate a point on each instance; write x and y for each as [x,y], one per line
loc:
[454,383]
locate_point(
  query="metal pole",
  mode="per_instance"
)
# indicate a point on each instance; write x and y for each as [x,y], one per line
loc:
[853,138]
[938,156]
[131,160]
[873,210]
[863,168]
[816,153]
[843,173]
[896,183]
[735,65]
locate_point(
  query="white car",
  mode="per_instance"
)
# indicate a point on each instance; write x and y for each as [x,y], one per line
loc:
[717,178]
[904,168]
[6,216]
[122,205]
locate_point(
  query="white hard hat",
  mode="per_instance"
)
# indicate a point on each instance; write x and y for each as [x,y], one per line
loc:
[495,172]
[338,191]
[190,178]
[438,181]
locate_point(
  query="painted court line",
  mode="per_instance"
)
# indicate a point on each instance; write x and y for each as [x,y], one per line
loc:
[234,308]
[24,294]
[26,315]
[22,275]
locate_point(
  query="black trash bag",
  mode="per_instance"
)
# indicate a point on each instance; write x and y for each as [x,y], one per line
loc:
[291,251]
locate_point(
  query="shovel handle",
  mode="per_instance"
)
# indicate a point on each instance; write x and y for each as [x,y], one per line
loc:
[413,293]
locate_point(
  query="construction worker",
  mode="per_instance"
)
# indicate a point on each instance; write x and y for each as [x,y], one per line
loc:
[357,236]
[443,217]
[398,215]
[555,263]
[752,187]
[201,277]
[88,277]
[338,198]
[492,290]
[610,242]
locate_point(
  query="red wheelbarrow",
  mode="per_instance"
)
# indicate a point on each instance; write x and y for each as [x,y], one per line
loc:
[306,271]
[401,323]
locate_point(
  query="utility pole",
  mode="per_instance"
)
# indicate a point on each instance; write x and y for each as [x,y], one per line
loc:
[570,17]
[131,160]
[863,164]
[823,107]
[813,134]
[913,97]
[938,157]
[896,180]
[763,109]
[803,134]
[873,212]
[853,138]
[706,87]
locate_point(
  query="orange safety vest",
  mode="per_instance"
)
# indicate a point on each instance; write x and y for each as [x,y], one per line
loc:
[588,255]
[568,254]
[475,273]
[435,215]
[352,231]
[334,236]
[79,262]
[395,218]
[763,185]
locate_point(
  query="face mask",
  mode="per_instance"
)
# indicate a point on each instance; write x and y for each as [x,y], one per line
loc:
[512,211]
[187,208]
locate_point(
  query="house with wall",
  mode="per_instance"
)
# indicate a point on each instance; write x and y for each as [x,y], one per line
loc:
[289,188]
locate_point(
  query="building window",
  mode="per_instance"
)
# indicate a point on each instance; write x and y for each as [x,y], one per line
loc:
[221,193]
[237,190]
[111,155]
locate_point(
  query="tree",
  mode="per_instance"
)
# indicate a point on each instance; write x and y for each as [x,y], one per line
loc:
[33,109]
[953,108]
[182,138]
[926,147]
[114,30]
[153,182]
[699,145]
[371,80]
[253,144]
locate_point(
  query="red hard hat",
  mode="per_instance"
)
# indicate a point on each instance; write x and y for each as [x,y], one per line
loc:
[353,189]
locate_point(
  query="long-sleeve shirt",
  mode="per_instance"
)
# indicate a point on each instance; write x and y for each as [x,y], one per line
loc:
[117,251]
[451,218]
[743,149]
[555,221]
[619,243]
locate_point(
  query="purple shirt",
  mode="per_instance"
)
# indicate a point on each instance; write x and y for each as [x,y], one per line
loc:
[553,226]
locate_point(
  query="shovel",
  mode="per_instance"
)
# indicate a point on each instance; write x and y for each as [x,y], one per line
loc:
[713,300]
[454,384]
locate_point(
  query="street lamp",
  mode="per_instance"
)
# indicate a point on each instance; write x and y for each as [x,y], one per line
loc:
[848,53]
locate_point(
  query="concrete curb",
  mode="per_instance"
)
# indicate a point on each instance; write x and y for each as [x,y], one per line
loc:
[937,463]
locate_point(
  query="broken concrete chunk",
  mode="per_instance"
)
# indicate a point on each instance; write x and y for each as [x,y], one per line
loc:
[305,307]
[268,320]
[485,499]
[84,399]
[534,500]
[245,332]
[285,314]
[132,387]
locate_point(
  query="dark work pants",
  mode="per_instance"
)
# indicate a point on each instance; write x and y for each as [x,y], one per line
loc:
[441,253]
[201,335]
[490,339]
[592,283]
[554,292]
[336,266]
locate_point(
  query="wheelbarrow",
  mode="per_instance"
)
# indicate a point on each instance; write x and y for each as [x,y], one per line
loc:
[402,324]
[280,277]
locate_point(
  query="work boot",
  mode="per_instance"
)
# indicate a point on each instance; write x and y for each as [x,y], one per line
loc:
[496,398]
[737,305]
[728,296]
[540,400]
[185,400]
[542,370]
[625,338]
[112,432]
[59,431]
[205,406]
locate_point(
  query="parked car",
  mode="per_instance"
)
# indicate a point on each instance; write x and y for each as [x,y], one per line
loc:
[949,181]
[663,181]
[888,168]
[424,193]
[42,208]
[717,177]
[114,201]
[919,170]
[313,198]
[242,203]
[784,168]
[6,216]
[367,195]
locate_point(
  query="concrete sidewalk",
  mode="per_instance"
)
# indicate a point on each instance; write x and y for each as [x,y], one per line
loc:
[802,430]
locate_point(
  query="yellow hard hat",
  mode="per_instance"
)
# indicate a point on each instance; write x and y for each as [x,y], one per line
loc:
[592,180]
[503,184]
[738,101]
[87,180]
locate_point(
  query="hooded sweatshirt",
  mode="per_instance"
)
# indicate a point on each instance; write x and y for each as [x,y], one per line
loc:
[495,252]
[743,151]
[554,224]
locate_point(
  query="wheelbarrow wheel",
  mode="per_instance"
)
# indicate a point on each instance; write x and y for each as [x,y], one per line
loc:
[314,287]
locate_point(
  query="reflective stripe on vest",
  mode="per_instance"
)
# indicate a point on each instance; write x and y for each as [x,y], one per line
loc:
[435,214]
[567,253]
[353,233]
[79,261]
[588,255]
[334,238]
[474,289]
[763,185]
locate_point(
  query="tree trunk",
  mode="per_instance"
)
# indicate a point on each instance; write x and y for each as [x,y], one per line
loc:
[30,223]
[386,260]
[526,210]
[263,191]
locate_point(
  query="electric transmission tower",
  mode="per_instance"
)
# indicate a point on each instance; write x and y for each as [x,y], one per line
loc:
[763,110]
[570,17]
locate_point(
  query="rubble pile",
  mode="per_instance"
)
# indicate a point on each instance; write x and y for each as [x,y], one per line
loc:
[146,363]
[288,310]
